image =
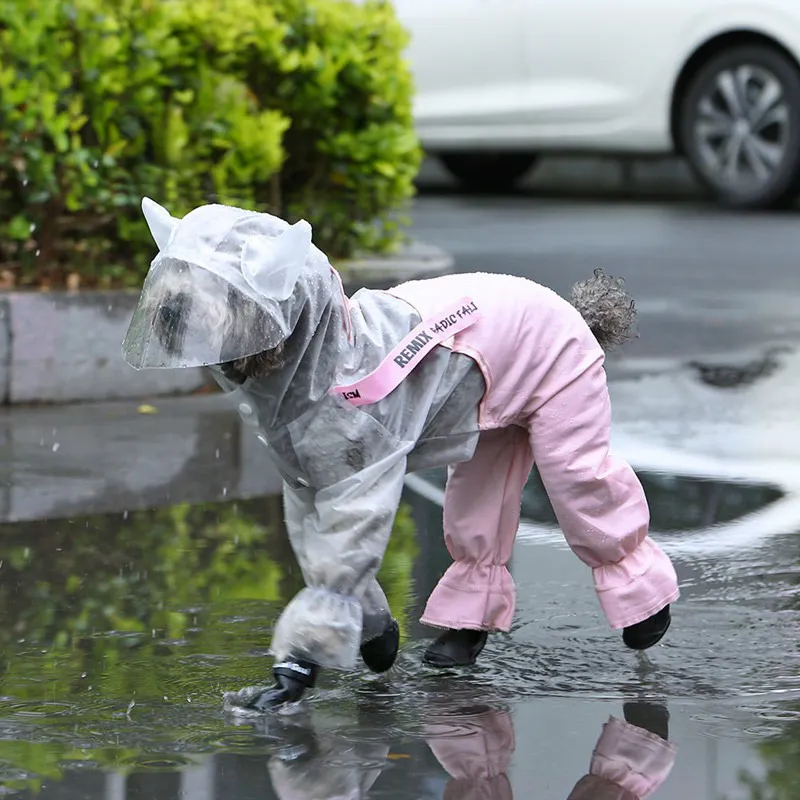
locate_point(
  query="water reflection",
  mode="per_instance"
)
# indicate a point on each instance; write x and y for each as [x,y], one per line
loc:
[632,758]
[143,574]
[462,753]
[678,503]
[473,747]
[119,632]
[313,767]
[780,757]
[112,626]
[155,574]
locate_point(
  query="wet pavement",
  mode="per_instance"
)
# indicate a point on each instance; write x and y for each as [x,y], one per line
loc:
[708,284]
[122,627]
[143,562]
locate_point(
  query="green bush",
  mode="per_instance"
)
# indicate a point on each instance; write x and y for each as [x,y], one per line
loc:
[297,107]
[160,606]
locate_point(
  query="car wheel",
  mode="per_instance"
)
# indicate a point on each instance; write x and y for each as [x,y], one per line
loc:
[739,126]
[488,172]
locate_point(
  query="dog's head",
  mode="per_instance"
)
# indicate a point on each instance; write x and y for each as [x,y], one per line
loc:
[225,322]
[228,289]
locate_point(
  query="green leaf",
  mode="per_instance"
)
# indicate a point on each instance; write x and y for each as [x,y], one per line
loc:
[19,228]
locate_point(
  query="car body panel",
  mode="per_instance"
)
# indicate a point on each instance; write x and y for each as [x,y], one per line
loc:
[566,75]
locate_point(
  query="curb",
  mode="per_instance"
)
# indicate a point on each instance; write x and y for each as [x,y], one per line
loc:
[64,347]
[415,261]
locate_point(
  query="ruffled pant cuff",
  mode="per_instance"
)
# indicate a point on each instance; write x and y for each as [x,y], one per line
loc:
[474,596]
[636,587]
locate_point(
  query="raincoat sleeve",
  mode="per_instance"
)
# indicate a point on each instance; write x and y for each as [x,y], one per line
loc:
[339,528]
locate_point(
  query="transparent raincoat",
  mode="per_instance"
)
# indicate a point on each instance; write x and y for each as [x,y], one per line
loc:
[228,284]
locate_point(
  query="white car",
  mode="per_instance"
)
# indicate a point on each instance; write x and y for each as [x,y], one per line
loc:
[718,81]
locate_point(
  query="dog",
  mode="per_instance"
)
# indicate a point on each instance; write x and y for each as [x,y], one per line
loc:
[484,374]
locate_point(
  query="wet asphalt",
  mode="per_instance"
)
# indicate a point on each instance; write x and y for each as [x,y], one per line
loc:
[142,563]
[707,282]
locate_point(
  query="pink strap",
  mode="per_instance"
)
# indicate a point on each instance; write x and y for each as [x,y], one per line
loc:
[409,353]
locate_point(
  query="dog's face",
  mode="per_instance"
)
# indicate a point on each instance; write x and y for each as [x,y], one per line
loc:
[188,315]
[171,321]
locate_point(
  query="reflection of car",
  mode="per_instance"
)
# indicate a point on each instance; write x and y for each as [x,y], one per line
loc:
[719,465]
[501,81]
[697,505]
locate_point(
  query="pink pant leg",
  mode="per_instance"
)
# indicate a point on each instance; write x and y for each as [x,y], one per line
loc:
[598,499]
[476,751]
[628,763]
[482,506]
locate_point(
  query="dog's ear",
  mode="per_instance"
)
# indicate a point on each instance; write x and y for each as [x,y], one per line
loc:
[272,264]
[159,221]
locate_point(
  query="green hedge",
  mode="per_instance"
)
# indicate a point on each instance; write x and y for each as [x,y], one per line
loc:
[297,107]
[131,608]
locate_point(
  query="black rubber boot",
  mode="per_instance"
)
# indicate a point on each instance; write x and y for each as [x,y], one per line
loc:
[653,717]
[379,654]
[456,648]
[648,632]
[292,678]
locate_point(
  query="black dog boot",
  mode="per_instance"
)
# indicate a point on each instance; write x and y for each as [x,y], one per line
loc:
[379,654]
[292,678]
[456,648]
[653,717]
[651,631]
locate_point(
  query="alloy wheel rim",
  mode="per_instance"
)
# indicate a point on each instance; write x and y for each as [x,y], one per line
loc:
[742,127]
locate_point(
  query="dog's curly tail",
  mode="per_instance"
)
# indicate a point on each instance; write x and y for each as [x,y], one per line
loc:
[607,308]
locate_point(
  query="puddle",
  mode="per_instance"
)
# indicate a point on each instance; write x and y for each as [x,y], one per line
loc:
[119,632]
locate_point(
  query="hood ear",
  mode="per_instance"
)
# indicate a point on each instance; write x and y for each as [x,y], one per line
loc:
[272,264]
[159,221]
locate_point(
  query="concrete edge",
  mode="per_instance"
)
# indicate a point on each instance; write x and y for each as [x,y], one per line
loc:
[65,347]
[414,261]
[5,349]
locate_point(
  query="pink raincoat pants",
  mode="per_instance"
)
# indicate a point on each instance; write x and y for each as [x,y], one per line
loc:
[547,403]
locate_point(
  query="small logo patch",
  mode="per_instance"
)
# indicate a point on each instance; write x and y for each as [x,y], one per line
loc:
[293,667]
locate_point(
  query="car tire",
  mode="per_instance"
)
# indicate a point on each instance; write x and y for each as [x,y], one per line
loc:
[488,172]
[739,127]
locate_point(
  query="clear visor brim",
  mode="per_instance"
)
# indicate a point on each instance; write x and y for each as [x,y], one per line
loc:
[188,316]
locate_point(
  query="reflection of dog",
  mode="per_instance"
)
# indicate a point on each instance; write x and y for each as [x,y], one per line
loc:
[316,762]
[475,746]
[328,768]
[630,760]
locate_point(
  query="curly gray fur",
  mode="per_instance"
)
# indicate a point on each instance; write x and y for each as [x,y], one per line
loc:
[261,364]
[609,311]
